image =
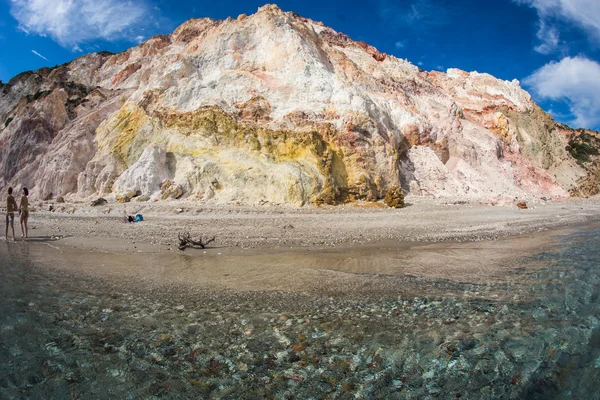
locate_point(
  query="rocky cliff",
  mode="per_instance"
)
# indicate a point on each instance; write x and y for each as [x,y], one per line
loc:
[276,107]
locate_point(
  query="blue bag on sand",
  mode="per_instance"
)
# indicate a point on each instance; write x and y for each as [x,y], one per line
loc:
[138,218]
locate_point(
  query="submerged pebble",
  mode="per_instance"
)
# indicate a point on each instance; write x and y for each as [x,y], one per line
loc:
[538,338]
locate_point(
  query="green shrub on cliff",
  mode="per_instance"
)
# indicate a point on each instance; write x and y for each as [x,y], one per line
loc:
[583,146]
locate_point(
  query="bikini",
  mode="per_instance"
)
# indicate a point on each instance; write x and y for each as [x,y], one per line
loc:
[10,207]
[24,208]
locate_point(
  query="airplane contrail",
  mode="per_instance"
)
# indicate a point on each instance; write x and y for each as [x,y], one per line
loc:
[39,55]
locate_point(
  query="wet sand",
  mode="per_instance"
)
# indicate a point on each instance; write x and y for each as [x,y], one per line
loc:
[344,250]
[373,268]
[386,268]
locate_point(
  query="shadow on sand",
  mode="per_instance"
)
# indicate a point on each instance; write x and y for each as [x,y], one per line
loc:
[43,239]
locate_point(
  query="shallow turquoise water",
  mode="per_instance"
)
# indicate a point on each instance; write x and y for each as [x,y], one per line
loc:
[70,337]
[567,305]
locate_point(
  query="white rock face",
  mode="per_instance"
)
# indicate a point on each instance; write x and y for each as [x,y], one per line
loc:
[274,107]
[146,174]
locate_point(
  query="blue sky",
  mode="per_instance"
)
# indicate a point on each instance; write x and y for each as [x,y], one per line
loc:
[551,46]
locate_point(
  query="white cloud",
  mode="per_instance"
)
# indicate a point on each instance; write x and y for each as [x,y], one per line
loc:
[74,22]
[584,14]
[39,55]
[401,44]
[573,80]
[549,38]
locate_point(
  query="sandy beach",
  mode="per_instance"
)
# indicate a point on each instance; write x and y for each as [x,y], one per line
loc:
[276,227]
[352,249]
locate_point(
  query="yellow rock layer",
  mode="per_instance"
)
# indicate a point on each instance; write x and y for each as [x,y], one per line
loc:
[345,169]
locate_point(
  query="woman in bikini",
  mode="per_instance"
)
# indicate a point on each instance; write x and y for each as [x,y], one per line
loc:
[24,213]
[11,207]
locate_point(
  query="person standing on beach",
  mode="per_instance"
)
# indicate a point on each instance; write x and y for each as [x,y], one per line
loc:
[24,208]
[11,207]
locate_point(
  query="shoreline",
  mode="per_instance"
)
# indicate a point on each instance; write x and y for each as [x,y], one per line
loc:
[484,246]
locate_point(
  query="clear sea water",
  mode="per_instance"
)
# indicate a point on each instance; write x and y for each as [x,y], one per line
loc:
[72,337]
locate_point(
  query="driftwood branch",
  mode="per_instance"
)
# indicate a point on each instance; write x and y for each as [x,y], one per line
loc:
[185,241]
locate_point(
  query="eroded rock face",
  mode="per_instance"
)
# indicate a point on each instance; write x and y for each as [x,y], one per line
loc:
[275,107]
[145,175]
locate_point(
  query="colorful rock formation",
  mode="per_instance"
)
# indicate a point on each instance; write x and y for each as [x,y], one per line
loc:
[275,107]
